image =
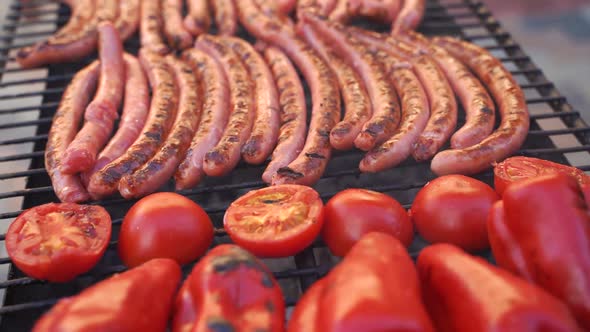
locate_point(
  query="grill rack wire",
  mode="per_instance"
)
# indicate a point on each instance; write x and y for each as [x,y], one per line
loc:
[557,133]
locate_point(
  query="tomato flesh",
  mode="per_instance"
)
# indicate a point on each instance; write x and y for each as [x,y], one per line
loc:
[277,221]
[57,242]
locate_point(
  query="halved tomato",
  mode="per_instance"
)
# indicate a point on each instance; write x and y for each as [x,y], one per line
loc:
[276,221]
[57,242]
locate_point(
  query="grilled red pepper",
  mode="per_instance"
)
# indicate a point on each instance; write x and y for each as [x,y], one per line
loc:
[541,231]
[229,290]
[465,293]
[139,299]
[374,288]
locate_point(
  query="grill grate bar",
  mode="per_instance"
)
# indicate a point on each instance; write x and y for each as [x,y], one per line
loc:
[21,156]
[35,171]
[24,140]
[32,94]
[38,80]
[30,108]
[26,123]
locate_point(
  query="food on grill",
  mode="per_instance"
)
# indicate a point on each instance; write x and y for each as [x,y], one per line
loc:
[198,19]
[128,20]
[409,17]
[224,13]
[292,132]
[151,27]
[315,7]
[68,187]
[514,125]
[276,221]
[374,288]
[464,293]
[102,112]
[160,168]
[224,157]
[354,94]
[57,242]
[516,169]
[162,113]
[133,116]
[139,299]
[453,209]
[352,213]
[177,35]
[229,290]
[164,225]
[540,231]
[265,130]
[215,108]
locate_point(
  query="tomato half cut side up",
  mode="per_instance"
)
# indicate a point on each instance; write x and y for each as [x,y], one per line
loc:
[276,221]
[58,241]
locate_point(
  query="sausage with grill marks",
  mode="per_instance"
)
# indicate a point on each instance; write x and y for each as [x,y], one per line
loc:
[293,113]
[64,126]
[198,19]
[160,118]
[158,170]
[514,125]
[409,17]
[151,27]
[178,37]
[315,7]
[354,94]
[225,156]
[265,130]
[128,19]
[380,10]
[225,15]
[215,108]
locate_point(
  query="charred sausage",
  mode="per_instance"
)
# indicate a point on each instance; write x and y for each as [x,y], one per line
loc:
[178,37]
[409,17]
[198,20]
[151,27]
[225,16]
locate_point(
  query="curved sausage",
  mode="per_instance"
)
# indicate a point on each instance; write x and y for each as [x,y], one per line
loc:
[265,130]
[107,10]
[415,112]
[135,109]
[285,6]
[128,19]
[514,126]
[380,10]
[293,113]
[215,111]
[178,37]
[384,100]
[160,118]
[315,7]
[344,10]
[158,170]
[101,114]
[198,19]
[225,15]
[64,126]
[151,27]
[478,104]
[409,17]
[311,163]
[225,156]
[354,94]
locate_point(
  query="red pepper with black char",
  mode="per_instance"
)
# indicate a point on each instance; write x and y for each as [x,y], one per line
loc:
[374,288]
[229,290]
[139,299]
[541,231]
[464,293]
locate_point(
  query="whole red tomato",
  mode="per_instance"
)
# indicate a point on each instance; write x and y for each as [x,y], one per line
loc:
[454,209]
[164,225]
[352,213]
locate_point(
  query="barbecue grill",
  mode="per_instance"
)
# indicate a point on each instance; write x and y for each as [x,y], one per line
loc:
[29,98]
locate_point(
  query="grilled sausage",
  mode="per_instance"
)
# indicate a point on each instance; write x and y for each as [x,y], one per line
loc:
[409,17]
[215,110]
[354,94]
[151,27]
[344,10]
[285,6]
[415,112]
[135,109]
[101,114]
[514,126]
[293,114]
[198,19]
[158,170]
[265,130]
[479,106]
[380,10]
[386,110]
[315,7]
[178,37]
[107,10]
[225,15]
[67,187]
[128,19]
[225,156]
[160,118]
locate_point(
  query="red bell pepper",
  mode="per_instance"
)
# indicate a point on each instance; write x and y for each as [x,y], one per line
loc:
[229,290]
[464,293]
[541,232]
[139,299]
[374,288]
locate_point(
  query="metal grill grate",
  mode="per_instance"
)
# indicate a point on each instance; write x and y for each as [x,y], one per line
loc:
[29,97]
